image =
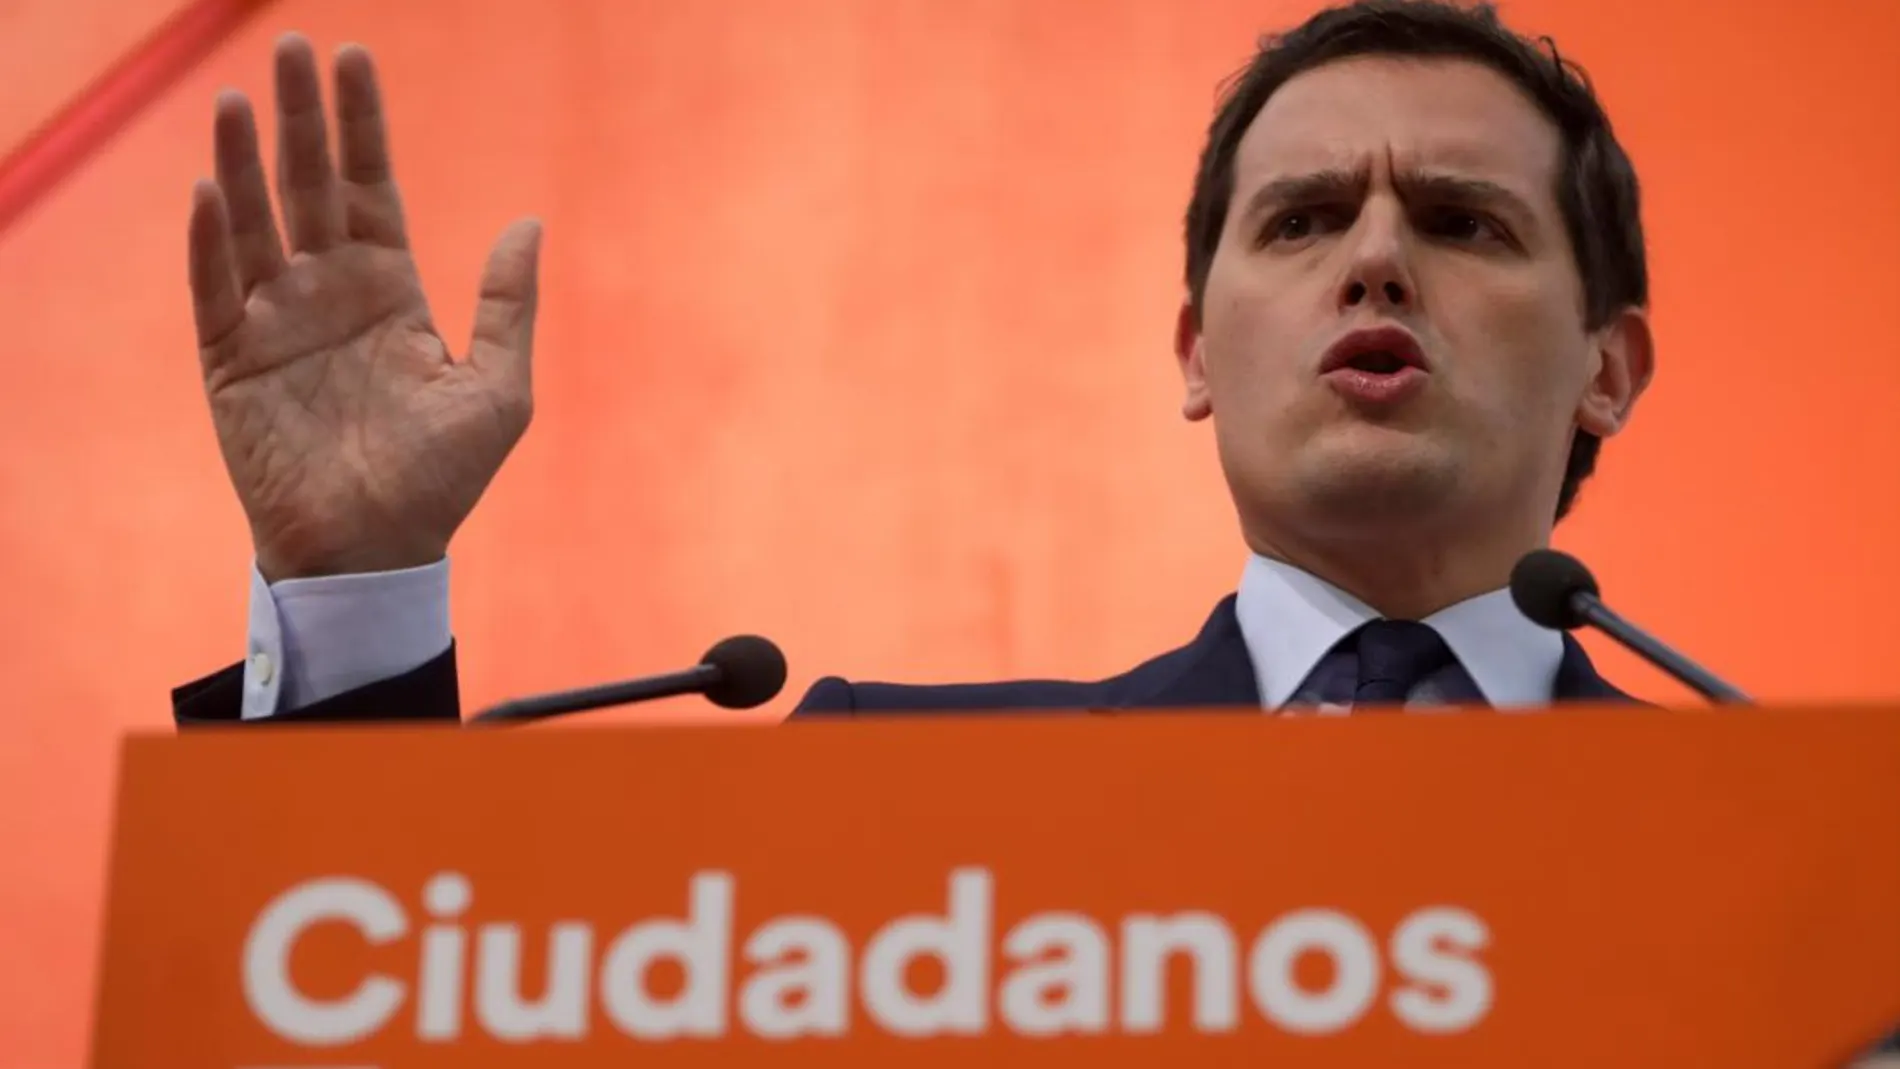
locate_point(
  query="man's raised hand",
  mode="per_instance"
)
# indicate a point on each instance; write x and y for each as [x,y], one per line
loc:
[355,441]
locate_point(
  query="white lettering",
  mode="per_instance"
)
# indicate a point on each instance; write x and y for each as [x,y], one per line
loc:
[267,985]
[1057,975]
[962,942]
[1355,971]
[800,991]
[444,950]
[702,945]
[1426,949]
[1148,940]
[1064,993]
[562,1011]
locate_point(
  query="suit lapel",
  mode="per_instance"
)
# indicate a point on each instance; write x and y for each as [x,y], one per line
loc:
[1578,681]
[1213,670]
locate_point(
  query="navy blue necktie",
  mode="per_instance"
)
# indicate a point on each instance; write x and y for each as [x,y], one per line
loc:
[1394,657]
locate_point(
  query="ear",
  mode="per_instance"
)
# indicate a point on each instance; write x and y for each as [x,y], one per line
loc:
[1626,359]
[1195,404]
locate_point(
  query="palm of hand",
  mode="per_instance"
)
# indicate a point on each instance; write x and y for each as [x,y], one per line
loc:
[354,441]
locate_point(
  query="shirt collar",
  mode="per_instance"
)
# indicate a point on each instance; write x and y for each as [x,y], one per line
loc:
[1290,619]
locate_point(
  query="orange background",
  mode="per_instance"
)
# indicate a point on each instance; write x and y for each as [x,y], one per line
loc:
[1767,945]
[855,333]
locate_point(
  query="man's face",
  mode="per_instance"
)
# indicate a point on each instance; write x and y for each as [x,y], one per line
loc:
[1400,204]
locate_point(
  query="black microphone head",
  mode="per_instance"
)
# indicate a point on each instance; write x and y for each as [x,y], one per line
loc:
[751,671]
[1545,585]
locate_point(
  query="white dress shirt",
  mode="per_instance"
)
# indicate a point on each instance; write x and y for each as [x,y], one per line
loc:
[1291,619]
[312,639]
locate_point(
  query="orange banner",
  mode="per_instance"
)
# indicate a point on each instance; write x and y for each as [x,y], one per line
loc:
[1576,888]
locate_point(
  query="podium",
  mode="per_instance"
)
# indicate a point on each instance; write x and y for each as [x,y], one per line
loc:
[1583,887]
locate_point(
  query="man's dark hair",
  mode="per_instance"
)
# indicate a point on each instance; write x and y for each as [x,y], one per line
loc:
[1596,185]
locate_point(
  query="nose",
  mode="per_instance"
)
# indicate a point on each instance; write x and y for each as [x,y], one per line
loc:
[1391,291]
[1378,270]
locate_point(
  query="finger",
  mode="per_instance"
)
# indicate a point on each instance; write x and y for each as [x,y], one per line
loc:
[217,306]
[313,212]
[503,343]
[259,251]
[372,209]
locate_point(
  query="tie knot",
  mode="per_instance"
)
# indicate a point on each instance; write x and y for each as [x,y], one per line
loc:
[1395,656]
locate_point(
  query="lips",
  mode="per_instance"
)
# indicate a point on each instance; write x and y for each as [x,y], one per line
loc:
[1376,351]
[1376,368]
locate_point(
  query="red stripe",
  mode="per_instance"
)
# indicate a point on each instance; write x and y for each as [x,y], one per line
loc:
[117,96]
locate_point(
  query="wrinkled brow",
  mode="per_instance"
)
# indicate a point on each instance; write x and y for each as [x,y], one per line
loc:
[1318,187]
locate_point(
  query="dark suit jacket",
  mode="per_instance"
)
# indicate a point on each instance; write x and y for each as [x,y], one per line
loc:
[1213,670]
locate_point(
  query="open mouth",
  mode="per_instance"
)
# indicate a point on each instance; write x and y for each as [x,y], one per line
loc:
[1377,368]
[1378,352]
[1378,362]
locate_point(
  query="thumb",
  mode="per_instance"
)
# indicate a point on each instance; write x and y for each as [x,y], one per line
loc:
[503,343]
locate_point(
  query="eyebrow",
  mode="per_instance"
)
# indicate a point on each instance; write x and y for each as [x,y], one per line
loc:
[1327,185]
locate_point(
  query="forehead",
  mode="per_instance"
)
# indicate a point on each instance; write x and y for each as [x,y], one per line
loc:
[1384,113]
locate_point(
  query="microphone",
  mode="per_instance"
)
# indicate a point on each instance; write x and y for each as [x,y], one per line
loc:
[737,673]
[1556,591]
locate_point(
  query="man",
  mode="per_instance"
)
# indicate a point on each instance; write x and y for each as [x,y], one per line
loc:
[1415,304]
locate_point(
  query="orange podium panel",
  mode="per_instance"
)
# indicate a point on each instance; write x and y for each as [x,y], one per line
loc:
[1576,888]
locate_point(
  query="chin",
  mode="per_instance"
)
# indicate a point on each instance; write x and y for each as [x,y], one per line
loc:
[1401,479]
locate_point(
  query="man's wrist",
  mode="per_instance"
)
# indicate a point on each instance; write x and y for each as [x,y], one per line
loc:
[312,638]
[277,566]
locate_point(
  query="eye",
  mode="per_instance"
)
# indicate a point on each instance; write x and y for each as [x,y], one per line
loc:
[1463,225]
[1291,226]
[1297,224]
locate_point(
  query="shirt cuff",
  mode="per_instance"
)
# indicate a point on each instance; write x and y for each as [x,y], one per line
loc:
[312,639]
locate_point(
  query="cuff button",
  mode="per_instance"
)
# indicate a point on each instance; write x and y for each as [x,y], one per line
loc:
[262,668]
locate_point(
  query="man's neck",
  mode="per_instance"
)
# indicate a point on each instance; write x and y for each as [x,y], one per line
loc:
[1405,576]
